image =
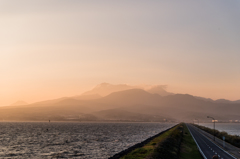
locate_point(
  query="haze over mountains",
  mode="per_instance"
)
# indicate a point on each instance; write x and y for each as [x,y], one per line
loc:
[104,89]
[125,103]
[19,103]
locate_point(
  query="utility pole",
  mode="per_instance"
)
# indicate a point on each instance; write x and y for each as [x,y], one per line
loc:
[198,121]
[213,126]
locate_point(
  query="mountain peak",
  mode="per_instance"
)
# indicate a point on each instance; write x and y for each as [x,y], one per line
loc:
[159,89]
[104,84]
[131,97]
[105,89]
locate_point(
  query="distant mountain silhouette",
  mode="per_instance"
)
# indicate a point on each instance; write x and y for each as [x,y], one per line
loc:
[104,89]
[58,100]
[222,101]
[236,101]
[159,89]
[205,99]
[129,104]
[87,97]
[130,97]
[226,101]
[218,100]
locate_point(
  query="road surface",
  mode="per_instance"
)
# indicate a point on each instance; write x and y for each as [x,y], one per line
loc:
[207,147]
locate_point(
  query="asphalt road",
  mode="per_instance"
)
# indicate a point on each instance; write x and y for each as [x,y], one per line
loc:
[208,148]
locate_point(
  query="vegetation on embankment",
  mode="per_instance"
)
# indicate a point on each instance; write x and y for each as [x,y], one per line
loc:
[174,143]
[232,139]
[166,145]
[189,149]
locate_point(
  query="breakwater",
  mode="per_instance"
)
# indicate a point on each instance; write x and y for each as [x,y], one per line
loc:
[138,145]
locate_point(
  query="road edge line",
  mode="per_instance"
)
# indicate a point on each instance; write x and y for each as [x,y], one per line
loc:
[197,144]
[217,145]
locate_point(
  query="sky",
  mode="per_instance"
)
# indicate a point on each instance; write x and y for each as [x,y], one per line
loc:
[57,48]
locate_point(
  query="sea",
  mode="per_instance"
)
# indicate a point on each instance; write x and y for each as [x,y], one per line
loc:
[72,139]
[230,128]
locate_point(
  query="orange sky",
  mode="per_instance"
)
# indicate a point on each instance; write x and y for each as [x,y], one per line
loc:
[50,49]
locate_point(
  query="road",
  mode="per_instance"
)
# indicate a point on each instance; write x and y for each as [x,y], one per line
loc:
[207,147]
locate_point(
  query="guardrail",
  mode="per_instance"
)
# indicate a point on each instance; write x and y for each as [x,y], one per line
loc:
[218,146]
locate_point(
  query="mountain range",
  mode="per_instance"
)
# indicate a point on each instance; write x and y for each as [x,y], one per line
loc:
[107,102]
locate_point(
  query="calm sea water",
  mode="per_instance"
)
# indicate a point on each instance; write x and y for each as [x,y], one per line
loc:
[72,140]
[230,128]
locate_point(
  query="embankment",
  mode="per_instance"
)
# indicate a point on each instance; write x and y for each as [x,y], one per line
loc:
[138,145]
[171,143]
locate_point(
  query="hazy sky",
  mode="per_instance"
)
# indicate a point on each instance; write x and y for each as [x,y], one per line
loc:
[55,48]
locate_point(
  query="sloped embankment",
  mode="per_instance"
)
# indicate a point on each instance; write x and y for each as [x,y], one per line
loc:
[172,143]
[189,149]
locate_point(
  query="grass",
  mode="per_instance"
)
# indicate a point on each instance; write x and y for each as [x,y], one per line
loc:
[189,148]
[148,149]
[176,143]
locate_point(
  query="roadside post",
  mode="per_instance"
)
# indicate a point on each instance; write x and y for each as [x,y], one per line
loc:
[213,126]
[224,141]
